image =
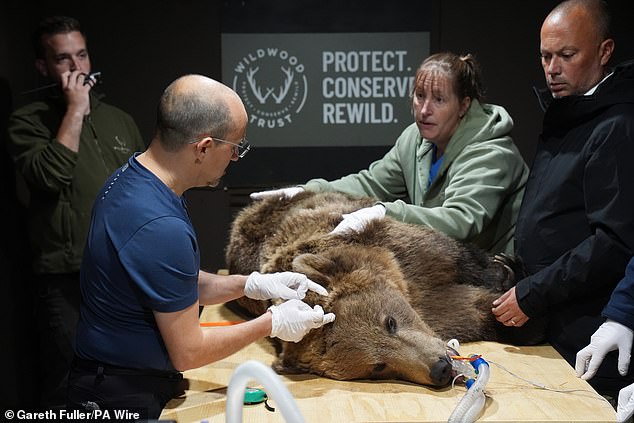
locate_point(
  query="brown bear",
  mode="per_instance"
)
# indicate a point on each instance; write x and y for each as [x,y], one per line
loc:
[399,291]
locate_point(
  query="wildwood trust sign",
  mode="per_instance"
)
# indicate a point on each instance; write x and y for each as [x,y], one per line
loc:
[324,89]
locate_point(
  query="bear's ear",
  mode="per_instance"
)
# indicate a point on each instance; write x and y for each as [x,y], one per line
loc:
[316,267]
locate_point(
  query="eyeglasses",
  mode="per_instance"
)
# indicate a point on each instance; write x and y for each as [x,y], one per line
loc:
[241,149]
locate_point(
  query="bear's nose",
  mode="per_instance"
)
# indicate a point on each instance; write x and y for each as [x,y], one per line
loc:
[441,372]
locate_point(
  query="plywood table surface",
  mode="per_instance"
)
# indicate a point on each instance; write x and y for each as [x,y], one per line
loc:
[509,399]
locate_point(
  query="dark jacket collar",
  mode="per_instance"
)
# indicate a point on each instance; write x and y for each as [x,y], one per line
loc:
[570,111]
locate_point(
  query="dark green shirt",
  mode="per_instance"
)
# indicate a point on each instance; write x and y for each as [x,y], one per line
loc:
[62,183]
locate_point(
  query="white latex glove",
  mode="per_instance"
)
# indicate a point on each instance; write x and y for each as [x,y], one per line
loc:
[358,219]
[285,285]
[282,192]
[625,407]
[610,336]
[293,319]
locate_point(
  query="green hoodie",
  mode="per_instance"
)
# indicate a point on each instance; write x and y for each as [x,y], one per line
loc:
[62,183]
[476,194]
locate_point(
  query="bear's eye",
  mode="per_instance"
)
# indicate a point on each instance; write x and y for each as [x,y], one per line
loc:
[379,367]
[390,324]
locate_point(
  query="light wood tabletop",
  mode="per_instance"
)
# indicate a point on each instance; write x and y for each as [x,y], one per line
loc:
[508,398]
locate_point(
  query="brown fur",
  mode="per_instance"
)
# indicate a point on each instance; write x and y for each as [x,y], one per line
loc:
[399,291]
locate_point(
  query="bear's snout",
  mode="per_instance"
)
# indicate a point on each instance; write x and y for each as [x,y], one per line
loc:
[441,372]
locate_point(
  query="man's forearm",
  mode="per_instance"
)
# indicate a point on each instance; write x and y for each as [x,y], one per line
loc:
[216,289]
[69,132]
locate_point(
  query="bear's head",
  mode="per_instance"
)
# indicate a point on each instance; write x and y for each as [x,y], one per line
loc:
[376,334]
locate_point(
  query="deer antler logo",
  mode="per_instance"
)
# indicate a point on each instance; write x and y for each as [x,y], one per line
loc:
[257,90]
[273,85]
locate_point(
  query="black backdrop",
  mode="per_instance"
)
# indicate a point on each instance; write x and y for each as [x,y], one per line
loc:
[141,46]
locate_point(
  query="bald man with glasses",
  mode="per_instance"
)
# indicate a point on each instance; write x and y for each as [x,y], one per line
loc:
[141,282]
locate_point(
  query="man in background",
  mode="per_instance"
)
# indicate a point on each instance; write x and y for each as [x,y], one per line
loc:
[575,231]
[64,146]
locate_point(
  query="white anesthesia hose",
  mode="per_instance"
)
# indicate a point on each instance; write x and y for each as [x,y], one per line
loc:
[470,406]
[273,386]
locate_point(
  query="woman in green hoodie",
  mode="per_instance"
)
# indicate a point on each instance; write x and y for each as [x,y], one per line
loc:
[455,169]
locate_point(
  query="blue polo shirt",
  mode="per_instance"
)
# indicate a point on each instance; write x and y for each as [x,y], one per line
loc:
[141,255]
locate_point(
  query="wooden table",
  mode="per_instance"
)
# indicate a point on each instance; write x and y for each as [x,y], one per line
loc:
[509,399]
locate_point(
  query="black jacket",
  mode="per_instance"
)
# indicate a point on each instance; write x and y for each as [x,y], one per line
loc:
[575,230]
[621,305]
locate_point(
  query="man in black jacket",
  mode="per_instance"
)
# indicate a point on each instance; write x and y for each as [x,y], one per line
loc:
[575,231]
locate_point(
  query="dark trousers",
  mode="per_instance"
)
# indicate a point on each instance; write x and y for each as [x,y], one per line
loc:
[93,385]
[57,316]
